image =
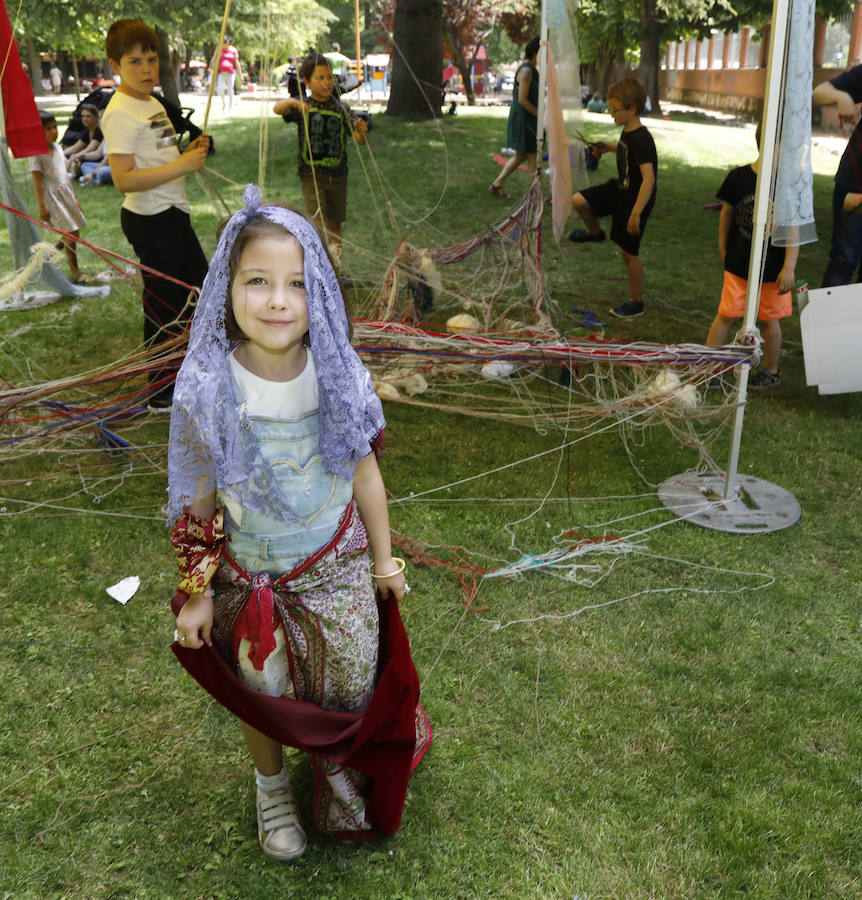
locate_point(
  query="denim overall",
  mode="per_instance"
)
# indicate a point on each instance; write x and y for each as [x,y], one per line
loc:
[315,495]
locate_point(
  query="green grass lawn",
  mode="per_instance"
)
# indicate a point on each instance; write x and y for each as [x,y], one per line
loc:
[688,726]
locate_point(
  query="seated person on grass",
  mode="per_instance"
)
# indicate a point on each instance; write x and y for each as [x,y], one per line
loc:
[86,147]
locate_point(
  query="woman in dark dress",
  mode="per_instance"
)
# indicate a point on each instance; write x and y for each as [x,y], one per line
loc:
[521,132]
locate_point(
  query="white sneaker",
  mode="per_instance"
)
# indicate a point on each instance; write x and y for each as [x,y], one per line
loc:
[279,828]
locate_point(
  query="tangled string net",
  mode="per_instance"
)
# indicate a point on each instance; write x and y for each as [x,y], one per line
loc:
[467,328]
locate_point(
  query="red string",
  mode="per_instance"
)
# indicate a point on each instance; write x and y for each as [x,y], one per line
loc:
[99,251]
[468,574]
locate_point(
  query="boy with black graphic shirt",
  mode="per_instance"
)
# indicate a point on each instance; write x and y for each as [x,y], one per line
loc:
[325,125]
[148,168]
[628,199]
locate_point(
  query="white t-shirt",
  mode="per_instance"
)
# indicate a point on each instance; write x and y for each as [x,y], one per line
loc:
[278,399]
[141,128]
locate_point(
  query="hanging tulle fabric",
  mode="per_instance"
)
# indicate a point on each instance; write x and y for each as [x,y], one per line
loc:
[212,443]
[793,218]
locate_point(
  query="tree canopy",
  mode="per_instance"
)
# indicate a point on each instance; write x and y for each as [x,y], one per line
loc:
[611,32]
[259,28]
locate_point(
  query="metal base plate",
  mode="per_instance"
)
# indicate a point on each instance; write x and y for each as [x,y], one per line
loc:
[758,507]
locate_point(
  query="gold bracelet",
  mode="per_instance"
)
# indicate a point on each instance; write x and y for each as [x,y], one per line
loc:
[402,564]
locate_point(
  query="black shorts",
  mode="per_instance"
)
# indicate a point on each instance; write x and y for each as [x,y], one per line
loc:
[608,200]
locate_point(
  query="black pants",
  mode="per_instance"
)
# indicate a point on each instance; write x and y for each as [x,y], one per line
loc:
[167,243]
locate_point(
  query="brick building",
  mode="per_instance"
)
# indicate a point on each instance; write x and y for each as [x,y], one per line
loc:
[728,71]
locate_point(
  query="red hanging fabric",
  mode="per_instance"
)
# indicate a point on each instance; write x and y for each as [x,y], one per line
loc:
[24,131]
[384,742]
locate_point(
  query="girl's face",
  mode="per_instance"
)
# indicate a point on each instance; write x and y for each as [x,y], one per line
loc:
[51,132]
[268,299]
[88,119]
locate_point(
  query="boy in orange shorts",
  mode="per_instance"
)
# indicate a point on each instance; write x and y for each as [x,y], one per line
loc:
[734,244]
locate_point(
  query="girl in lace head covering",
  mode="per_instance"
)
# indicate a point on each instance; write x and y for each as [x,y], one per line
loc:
[276,498]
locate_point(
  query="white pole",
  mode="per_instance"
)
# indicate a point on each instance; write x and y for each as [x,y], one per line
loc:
[772,102]
[540,108]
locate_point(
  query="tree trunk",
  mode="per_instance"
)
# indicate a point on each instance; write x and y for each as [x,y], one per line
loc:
[618,68]
[417,60]
[166,69]
[601,71]
[176,61]
[35,63]
[62,58]
[462,65]
[77,76]
[648,69]
[609,66]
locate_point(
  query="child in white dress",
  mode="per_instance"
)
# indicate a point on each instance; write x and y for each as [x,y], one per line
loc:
[56,196]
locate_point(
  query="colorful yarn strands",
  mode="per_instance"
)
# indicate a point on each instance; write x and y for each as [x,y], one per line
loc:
[530,378]
[506,370]
[557,562]
[464,326]
[523,373]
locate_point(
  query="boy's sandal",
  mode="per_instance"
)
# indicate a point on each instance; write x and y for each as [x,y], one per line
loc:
[497,191]
[763,379]
[81,279]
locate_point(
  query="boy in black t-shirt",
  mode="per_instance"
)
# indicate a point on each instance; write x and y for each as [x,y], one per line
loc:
[629,199]
[325,125]
[735,227]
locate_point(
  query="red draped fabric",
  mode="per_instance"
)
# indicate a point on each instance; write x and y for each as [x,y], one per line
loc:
[381,742]
[24,130]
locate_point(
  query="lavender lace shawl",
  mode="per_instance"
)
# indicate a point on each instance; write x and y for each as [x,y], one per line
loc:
[212,444]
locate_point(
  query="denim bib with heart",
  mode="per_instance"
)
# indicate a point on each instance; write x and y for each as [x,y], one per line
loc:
[316,496]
